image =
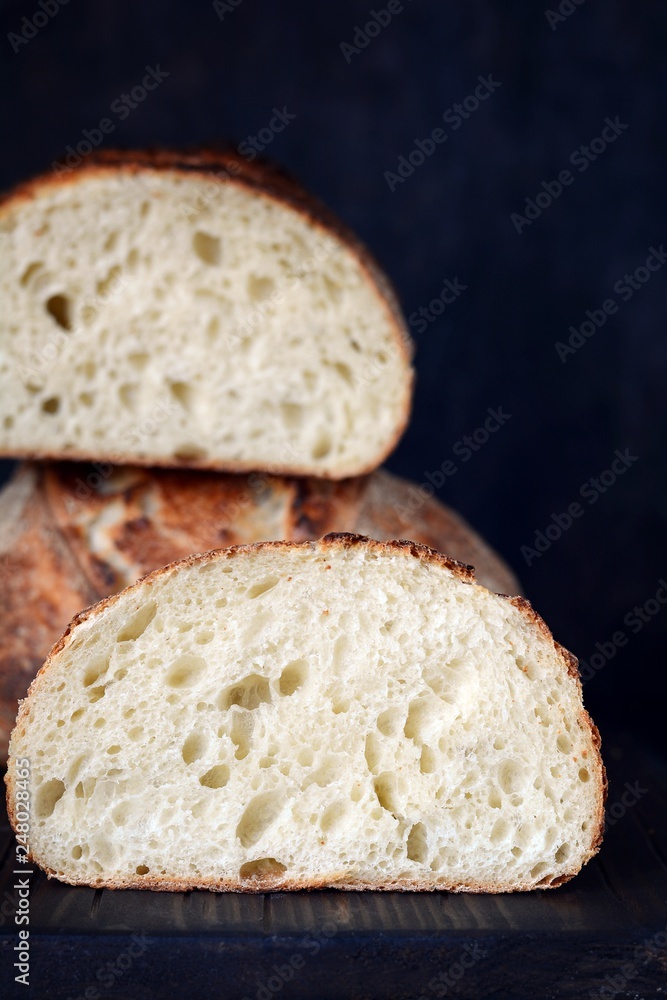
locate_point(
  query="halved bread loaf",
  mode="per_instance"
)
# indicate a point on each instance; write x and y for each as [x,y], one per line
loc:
[194,309]
[71,534]
[342,713]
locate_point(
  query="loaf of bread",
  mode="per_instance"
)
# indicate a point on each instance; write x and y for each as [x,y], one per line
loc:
[343,713]
[71,534]
[193,309]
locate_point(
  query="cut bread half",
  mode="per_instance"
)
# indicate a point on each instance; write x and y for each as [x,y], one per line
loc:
[341,713]
[71,534]
[184,309]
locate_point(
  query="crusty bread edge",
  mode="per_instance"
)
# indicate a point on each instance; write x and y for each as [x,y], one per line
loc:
[269,182]
[330,542]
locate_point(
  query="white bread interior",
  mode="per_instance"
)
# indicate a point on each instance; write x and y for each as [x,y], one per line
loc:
[165,317]
[337,713]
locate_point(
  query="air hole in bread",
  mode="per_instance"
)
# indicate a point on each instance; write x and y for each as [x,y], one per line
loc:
[207,247]
[511,776]
[428,762]
[564,743]
[138,360]
[248,693]
[113,749]
[356,792]
[121,813]
[185,671]
[340,705]
[326,774]
[138,623]
[541,713]
[335,815]
[372,752]
[95,671]
[293,676]
[129,395]
[204,637]
[495,800]
[562,854]
[345,372]
[190,453]
[305,757]
[387,792]
[60,308]
[95,694]
[527,667]
[260,813]
[499,830]
[31,271]
[195,746]
[417,846]
[46,797]
[332,288]
[292,414]
[76,714]
[142,869]
[423,717]
[111,241]
[132,260]
[322,446]
[215,777]
[183,393]
[262,868]
[391,721]
[51,405]
[539,869]
[135,733]
[106,285]
[263,587]
[260,288]
[212,328]
[584,774]
[76,852]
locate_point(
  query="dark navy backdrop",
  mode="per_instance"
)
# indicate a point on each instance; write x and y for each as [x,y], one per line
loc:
[361,100]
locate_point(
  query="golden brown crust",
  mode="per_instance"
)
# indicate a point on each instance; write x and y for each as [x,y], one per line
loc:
[81,533]
[33,604]
[225,166]
[329,543]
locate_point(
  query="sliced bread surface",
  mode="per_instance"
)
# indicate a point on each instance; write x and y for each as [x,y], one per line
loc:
[71,534]
[191,309]
[342,713]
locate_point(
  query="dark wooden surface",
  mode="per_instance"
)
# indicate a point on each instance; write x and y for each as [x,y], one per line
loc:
[576,941]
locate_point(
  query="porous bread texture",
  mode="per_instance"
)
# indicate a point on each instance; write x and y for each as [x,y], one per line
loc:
[71,534]
[173,314]
[338,713]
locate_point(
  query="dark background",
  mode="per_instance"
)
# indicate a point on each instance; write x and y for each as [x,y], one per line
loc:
[494,346]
